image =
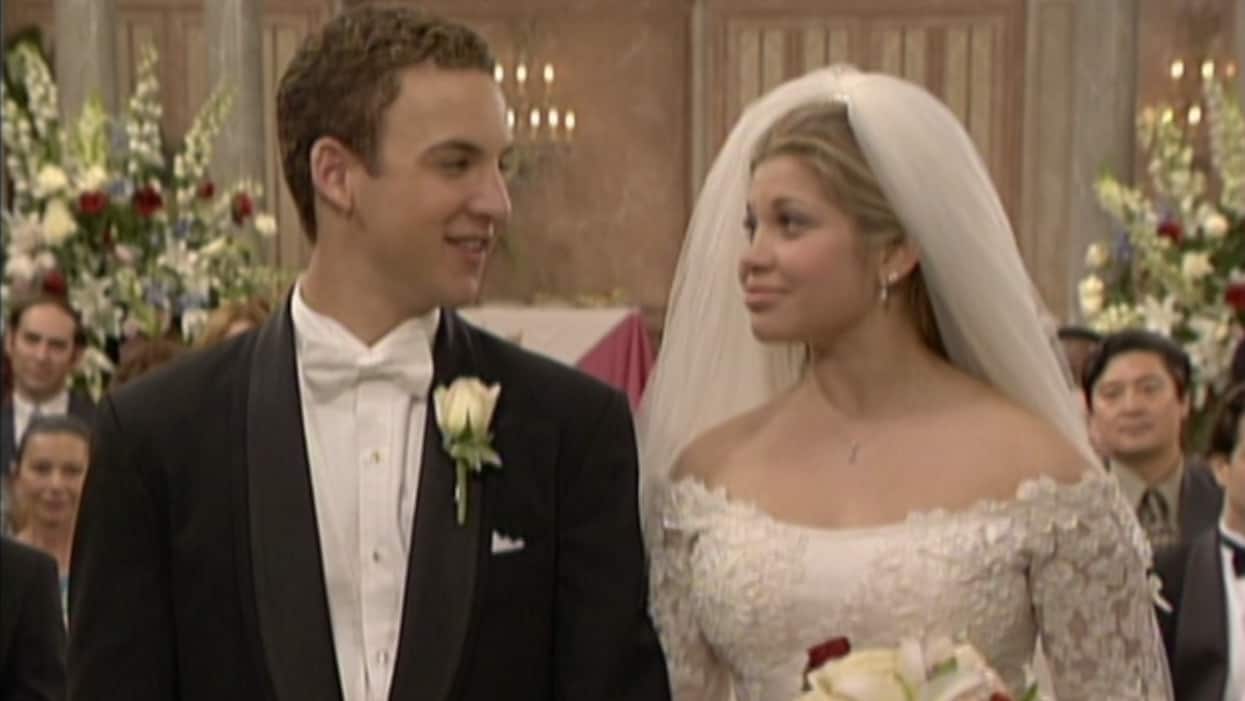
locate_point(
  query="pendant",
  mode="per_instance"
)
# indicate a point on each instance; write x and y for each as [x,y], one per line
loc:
[853,453]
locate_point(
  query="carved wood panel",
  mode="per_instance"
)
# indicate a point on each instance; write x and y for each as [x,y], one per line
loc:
[970,54]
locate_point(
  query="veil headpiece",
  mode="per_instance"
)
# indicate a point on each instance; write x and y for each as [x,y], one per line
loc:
[711,368]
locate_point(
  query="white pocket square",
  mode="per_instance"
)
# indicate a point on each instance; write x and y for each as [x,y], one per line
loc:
[503,544]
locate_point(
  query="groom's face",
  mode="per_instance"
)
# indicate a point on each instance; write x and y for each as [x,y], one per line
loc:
[429,208]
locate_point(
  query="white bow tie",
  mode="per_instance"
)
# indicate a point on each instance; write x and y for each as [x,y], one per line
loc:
[331,370]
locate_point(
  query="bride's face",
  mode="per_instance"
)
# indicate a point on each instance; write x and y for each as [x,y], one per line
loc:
[806,273]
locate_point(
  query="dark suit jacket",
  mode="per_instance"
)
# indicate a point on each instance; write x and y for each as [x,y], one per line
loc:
[1201,500]
[80,405]
[197,563]
[32,632]
[1195,632]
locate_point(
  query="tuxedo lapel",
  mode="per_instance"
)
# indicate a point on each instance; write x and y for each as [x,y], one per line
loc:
[1202,638]
[290,597]
[8,437]
[445,556]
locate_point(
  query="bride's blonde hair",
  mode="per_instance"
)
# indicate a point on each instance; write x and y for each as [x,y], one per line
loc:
[820,135]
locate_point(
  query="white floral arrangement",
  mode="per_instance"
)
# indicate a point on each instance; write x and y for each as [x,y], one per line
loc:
[916,670]
[139,245]
[1177,266]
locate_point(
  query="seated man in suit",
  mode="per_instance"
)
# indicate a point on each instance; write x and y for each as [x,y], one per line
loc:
[1204,581]
[44,342]
[32,630]
[1138,389]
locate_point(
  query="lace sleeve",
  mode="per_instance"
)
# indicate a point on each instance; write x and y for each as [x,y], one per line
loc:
[1092,597]
[695,673]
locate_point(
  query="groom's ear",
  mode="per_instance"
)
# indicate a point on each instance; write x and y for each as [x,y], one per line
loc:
[331,163]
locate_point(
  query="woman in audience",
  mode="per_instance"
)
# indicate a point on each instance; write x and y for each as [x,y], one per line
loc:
[142,355]
[232,318]
[48,472]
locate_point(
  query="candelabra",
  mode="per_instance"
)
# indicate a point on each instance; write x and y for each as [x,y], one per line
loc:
[536,117]
[1191,109]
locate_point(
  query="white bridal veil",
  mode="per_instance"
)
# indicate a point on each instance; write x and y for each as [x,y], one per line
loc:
[710,367]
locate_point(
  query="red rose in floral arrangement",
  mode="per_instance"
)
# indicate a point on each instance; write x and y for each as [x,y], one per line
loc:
[832,649]
[1235,296]
[147,200]
[207,190]
[92,203]
[243,207]
[1172,231]
[54,284]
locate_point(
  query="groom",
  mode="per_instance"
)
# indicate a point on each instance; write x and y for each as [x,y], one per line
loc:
[278,518]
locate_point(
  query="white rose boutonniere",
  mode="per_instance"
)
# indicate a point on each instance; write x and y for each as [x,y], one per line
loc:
[464,411]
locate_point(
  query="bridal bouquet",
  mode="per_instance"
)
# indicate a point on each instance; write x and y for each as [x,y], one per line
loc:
[140,241]
[1177,266]
[933,670]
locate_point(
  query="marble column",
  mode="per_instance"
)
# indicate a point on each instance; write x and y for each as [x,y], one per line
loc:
[1081,81]
[234,33]
[85,41]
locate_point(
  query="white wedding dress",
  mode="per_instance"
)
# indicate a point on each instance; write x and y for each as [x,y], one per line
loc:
[739,597]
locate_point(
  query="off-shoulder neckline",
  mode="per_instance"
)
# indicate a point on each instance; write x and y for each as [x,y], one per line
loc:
[1027,491]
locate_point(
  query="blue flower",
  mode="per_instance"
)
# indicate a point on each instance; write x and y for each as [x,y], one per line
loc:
[156,294]
[189,301]
[121,190]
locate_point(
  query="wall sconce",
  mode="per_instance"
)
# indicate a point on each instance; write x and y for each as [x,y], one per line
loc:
[536,117]
[1191,109]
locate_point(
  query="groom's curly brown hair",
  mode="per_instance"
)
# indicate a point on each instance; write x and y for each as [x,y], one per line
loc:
[344,77]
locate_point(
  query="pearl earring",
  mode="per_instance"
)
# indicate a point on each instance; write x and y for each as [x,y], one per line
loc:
[885,293]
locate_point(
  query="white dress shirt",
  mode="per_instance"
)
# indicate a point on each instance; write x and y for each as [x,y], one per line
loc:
[1234,595]
[24,410]
[364,447]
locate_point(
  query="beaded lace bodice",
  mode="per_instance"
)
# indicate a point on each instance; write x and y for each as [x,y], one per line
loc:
[739,597]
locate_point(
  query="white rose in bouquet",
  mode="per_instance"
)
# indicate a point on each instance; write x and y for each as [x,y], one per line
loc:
[930,670]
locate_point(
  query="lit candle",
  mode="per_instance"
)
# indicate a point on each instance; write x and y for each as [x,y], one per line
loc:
[569,120]
[510,119]
[553,118]
[548,73]
[1177,69]
[1168,115]
[1208,69]
[499,73]
[534,118]
[520,74]
[1195,115]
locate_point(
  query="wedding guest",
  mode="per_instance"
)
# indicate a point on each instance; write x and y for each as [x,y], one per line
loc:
[142,355]
[1138,389]
[1204,579]
[47,479]
[1079,345]
[44,341]
[32,629]
[236,316]
[289,515]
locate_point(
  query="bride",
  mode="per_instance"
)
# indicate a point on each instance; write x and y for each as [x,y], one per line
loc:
[859,427]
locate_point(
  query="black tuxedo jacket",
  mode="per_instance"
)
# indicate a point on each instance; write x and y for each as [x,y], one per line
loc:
[1195,632]
[197,563]
[80,405]
[32,632]
[1201,501]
